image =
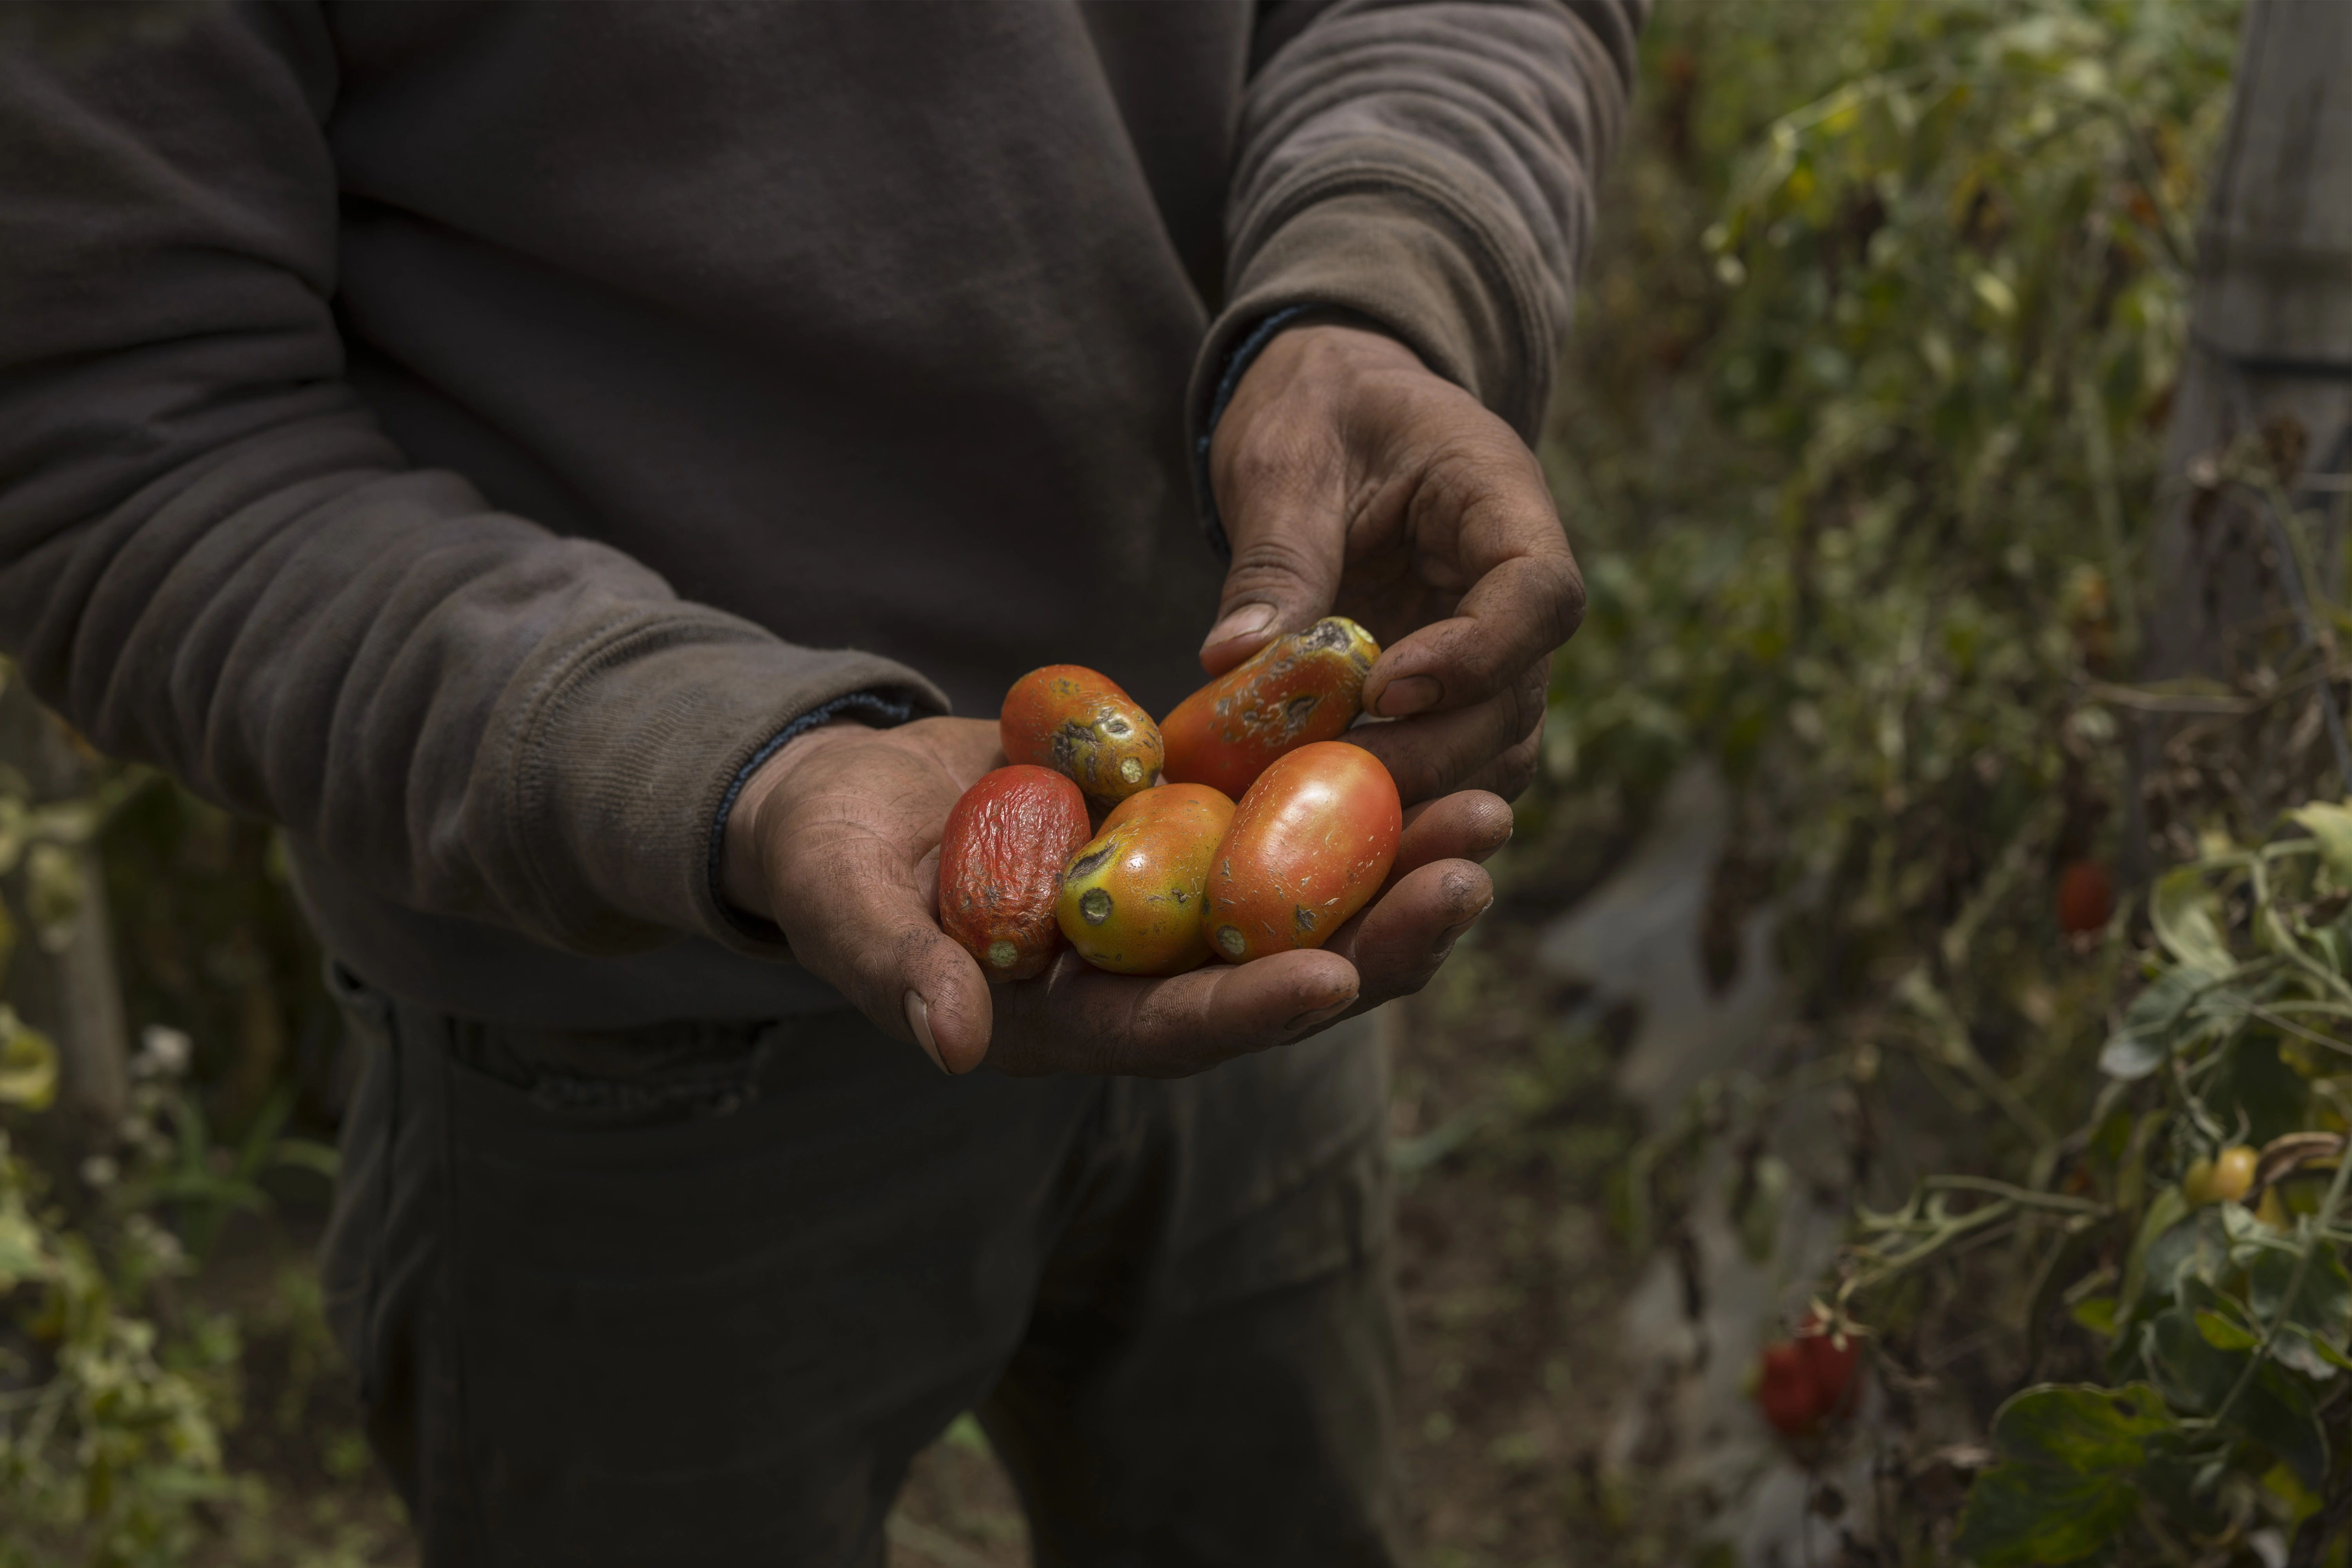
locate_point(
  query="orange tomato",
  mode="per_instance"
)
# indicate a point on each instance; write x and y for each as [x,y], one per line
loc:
[1067,718]
[1000,858]
[2224,1179]
[1309,845]
[1296,690]
[1131,900]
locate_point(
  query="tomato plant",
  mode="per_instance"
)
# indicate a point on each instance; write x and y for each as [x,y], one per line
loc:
[1860,457]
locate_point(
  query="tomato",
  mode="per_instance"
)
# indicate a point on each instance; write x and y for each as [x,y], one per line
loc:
[1070,718]
[1132,900]
[1000,858]
[2086,897]
[2224,1179]
[1296,690]
[1785,1390]
[1832,1358]
[1309,845]
[1808,1380]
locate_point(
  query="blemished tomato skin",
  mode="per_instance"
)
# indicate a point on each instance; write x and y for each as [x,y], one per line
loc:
[1131,899]
[1000,858]
[1297,690]
[1067,718]
[1310,843]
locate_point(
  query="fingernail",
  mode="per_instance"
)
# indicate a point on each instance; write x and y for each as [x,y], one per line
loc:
[919,1018]
[1307,1020]
[1248,621]
[1413,694]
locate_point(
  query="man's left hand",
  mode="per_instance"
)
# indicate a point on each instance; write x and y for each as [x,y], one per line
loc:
[1352,480]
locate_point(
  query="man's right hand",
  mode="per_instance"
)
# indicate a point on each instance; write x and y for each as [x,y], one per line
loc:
[836,838]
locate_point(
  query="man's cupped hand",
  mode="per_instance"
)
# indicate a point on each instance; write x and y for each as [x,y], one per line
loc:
[836,838]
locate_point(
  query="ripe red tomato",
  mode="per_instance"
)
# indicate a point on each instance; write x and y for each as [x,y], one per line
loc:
[1309,845]
[1831,1358]
[2086,897]
[1785,1392]
[1808,1382]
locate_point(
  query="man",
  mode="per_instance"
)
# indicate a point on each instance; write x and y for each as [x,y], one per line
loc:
[564,462]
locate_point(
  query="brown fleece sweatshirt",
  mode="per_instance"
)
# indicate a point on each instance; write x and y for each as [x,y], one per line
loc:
[466,432]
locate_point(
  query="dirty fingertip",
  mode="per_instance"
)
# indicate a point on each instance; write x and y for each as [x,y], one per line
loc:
[1413,694]
[1246,621]
[919,1020]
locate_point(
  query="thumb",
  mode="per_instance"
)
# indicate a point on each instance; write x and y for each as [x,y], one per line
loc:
[872,935]
[1289,552]
[1279,476]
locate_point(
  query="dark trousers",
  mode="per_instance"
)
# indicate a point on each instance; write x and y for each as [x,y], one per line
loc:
[697,1294]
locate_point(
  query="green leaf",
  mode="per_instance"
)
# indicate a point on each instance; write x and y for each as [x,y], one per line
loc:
[2064,1485]
[2307,1342]
[2331,825]
[23,1254]
[2127,1055]
[2222,1333]
[2272,1408]
[2097,1313]
[2193,1374]
[28,1064]
[2276,1412]
[1758,1217]
[2298,1350]
[2181,910]
[2323,1303]
[2146,1035]
[2167,1209]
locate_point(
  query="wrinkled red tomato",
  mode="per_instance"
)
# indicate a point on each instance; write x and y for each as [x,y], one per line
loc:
[1067,718]
[1296,690]
[1310,844]
[1000,858]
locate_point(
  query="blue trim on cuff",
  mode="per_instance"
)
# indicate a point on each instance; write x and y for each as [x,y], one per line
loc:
[1244,354]
[880,708]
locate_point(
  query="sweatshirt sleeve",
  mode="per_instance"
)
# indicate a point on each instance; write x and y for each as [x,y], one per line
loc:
[212,558]
[1429,164]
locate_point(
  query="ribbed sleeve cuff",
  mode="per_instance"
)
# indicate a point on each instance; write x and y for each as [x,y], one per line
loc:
[625,761]
[1397,246]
